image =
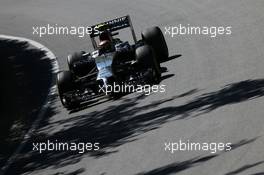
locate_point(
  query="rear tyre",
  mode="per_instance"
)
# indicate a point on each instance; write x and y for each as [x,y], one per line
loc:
[65,83]
[154,37]
[147,61]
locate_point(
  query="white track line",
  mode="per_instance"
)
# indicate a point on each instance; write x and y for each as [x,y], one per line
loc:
[52,90]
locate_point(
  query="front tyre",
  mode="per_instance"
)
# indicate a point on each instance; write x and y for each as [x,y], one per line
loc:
[71,59]
[147,61]
[65,84]
[80,64]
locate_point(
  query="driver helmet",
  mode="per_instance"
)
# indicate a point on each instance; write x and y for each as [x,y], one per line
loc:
[104,40]
[104,37]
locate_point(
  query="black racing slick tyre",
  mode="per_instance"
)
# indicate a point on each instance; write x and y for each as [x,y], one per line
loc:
[77,56]
[80,64]
[65,83]
[153,36]
[147,61]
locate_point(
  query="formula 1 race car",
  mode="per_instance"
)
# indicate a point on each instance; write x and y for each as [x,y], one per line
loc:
[112,62]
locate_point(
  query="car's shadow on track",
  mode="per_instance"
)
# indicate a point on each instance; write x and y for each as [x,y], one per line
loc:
[124,122]
[172,57]
[89,104]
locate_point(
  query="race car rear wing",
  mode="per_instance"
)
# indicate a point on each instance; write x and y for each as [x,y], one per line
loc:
[113,25]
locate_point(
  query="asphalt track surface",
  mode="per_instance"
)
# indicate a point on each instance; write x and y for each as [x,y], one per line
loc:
[214,91]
